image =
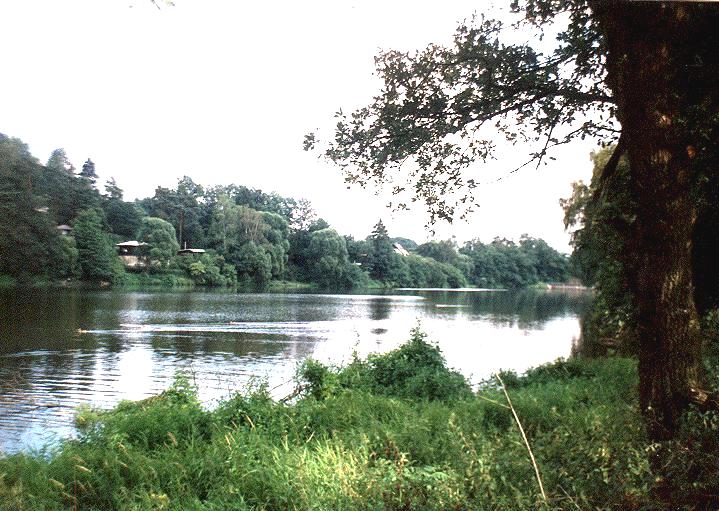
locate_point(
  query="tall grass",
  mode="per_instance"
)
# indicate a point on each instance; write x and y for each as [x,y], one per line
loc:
[373,435]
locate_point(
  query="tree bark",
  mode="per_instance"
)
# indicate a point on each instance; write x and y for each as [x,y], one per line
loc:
[661,70]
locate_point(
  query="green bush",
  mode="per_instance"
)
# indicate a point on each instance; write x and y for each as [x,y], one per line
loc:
[173,417]
[205,269]
[415,370]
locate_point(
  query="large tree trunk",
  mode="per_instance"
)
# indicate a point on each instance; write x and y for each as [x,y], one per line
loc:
[661,68]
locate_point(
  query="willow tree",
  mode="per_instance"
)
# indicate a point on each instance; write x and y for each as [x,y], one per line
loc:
[641,74]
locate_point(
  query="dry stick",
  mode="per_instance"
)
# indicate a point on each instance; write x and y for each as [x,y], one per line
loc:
[571,499]
[480,396]
[526,442]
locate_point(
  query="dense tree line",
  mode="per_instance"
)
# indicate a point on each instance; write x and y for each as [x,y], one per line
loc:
[57,225]
[504,263]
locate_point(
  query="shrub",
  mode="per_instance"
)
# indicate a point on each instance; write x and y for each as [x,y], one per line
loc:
[172,417]
[415,370]
[205,269]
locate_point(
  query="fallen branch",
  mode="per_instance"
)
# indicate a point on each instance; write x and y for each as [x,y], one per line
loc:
[298,390]
[704,399]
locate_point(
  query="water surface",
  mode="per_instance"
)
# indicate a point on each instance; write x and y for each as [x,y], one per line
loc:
[61,348]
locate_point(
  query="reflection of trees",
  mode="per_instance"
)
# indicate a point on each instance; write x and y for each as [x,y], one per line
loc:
[39,385]
[189,345]
[380,308]
[32,317]
[526,308]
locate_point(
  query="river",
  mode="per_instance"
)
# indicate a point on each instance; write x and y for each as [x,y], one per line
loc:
[60,348]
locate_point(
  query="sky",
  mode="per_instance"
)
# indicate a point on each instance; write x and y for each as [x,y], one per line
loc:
[224,91]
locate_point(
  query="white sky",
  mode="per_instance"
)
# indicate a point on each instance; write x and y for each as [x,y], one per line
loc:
[224,91]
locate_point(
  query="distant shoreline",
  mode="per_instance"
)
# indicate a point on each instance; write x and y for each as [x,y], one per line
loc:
[455,289]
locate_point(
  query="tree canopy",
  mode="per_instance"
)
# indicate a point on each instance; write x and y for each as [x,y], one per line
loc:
[440,109]
[26,235]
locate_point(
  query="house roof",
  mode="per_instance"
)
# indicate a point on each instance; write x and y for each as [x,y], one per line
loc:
[191,251]
[131,243]
[64,227]
[399,249]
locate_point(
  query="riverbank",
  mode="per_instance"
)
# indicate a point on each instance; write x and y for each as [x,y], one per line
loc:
[397,431]
[170,280]
[139,281]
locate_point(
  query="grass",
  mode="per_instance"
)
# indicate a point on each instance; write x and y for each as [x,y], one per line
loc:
[154,280]
[373,435]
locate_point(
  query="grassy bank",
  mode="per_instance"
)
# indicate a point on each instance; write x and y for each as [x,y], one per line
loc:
[398,432]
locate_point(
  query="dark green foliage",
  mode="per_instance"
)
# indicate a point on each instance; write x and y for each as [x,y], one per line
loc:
[255,242]
[328,263]
[28,239]
[500,264]
[416,370]
[264,237]
[181,208]
[273,203]
[206,269]
[161,244]
[446,252]
[442,251]
[254,264]
[57,188]
[174,417]
[65,193]
[550,265]
[418,271]
[506,264]
[381,253]
[95,251]
[598,247]
[88,171]
[354,277]
[344,263]
[123,217]
[68,261]
[358,251]
[299,242]
[276,242]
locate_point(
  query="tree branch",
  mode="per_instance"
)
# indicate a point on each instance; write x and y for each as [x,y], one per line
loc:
[610,168]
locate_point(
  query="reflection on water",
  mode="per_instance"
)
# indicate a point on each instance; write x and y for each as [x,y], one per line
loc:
[62,348]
